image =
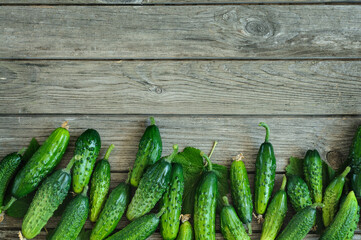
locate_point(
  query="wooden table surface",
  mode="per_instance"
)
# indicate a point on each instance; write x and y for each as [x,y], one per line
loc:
[205,69]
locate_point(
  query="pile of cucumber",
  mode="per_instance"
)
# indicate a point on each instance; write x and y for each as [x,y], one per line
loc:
[324,200]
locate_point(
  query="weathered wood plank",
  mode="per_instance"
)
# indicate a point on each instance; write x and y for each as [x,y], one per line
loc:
[180,87]
[155,32]
[291,136]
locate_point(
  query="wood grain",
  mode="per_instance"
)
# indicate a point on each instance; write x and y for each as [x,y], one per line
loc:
[159,32]
[180,87]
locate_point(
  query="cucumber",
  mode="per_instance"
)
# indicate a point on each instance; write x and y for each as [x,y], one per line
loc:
[275,214]
[73,219]
[332,198]
[87,148]
[152,187]
[112,212]
[49,196]
[205,204]
[345,222]
[265,174]
[42,163]
[298,193]
[100,184]
[231,226]
[149,152]
[185,230]
[300,224]
[312,166]
[140,229]
[354,160]
[241,191]
[172,203]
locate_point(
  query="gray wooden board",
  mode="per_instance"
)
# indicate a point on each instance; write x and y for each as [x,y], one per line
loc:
[158,32]
[181,87]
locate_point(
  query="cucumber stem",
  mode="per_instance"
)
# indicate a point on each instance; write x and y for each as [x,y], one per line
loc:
[71,163]
[107,154]
[225,201]
[284,182]
[262,124]
[21,152]
[65,125]
[174,153]
[129,176]
[249,226]
[209,163]
[184,217]
[238,158]
[85,190]
[345,172]
[214,146]
[1,216]
[9,204]
[160,213]
[21,237]
[152,121]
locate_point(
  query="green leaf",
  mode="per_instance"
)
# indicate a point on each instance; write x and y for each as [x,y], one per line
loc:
[20,207]
[223,186]
[295,167]
[84,234]
[32,148]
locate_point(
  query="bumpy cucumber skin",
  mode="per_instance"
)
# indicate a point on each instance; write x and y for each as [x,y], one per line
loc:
[345,222]
[241,191]
[185,231]
[149,152]
[354,160]
[298,193]
[300,225]
[205,207]
[231,226]
[87,148]
[44,160]
[100,184]
[140,229]
[49,196]
[8,166]
[312,166]
[152,186]
[112,212]
[73,219]
[172,201]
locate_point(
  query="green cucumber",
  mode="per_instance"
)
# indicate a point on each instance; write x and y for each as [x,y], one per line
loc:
[73,218]
[298,193]
[241,191]
[354,160]
[42,163]
[100,184]
[332,197]
[149,152]
[185,230]
[275,214]
[231,226]
[205,204]
[112,212]
[49,196]
[312,166]
[265,174]
[152,186]
[140,229]
[87,148]
[172,203]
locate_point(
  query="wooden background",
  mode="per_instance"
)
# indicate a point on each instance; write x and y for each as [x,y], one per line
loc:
[205,69]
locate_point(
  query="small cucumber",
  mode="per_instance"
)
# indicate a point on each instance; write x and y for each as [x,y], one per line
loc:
[149,152]
[312,166]
[241,191]
[332,197]
[140,229]
[42,163]
[275,214]
[100,184]
[354,159]
[151,188]
[205,204]
[231,226]
[345,222]
[49,196]
[87,148]
[112,212]
[185,230]
[73,218]
[265,174]
[172,203]
[300,224]
[298,192]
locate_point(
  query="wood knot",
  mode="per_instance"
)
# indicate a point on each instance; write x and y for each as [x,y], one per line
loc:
[259,27]
[335,159]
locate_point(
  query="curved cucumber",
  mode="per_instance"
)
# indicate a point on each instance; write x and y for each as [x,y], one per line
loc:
[44,160]
[265,174]
[275,214]
[112,212]
[298,192]
[100,184]
[172,203]
[354,159]
[185,230]
[149,152]
[87,148]
[312,166]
